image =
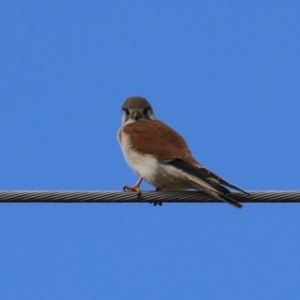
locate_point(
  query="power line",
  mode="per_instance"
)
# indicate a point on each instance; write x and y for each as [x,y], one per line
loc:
[131,197]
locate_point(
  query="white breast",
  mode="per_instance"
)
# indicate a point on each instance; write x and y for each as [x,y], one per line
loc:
[143,165]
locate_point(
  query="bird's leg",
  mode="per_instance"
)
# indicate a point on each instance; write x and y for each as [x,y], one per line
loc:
[160,188]
[135,188]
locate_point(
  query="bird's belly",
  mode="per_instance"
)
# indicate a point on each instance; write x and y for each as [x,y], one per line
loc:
[169,178]
[156,173]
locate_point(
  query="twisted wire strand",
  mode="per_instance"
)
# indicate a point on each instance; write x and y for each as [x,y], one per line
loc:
[131,197]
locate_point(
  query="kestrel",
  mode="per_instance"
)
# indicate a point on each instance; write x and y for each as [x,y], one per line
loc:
[161,157]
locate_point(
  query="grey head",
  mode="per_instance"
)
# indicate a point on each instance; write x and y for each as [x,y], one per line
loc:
[136,109]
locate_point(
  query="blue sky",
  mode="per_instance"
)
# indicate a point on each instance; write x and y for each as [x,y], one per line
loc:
[224,74]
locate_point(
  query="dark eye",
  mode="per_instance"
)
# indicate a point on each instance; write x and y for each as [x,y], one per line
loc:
[146,109]
[126,110]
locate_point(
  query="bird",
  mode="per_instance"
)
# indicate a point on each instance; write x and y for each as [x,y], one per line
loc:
[160,156]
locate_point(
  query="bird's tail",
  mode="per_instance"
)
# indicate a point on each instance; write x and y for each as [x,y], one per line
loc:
[211,190]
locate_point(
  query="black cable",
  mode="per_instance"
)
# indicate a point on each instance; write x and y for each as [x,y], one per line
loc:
[125,197]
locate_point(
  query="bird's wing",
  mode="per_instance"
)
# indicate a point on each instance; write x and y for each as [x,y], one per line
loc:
[155,138]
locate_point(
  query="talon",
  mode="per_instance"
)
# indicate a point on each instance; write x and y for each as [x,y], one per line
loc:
[156,203]
[135,188]
[132,188]
[159,188]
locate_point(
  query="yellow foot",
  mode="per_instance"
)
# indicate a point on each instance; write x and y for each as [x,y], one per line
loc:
[134,188]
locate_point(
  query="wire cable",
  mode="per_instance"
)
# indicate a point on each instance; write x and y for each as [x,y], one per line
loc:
[147,196]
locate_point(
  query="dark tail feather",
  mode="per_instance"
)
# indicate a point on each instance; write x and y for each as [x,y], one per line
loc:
[206,175]
[211,190]
[231,201]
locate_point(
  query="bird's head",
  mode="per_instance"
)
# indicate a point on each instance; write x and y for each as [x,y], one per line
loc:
[135,109]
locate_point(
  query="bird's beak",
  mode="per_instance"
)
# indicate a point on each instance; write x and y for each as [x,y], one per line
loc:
[136,115]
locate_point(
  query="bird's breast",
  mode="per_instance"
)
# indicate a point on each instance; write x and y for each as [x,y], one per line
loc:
[144,165]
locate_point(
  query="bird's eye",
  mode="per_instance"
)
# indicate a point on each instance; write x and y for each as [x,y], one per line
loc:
[146,109]
[126,110]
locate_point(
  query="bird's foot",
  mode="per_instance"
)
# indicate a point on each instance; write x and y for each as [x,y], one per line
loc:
[160,188]
[134,188]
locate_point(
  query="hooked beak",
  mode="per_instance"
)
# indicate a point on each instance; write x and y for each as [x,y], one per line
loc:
[136,115]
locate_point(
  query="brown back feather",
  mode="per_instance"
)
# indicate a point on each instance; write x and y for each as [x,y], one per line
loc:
[156,138]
